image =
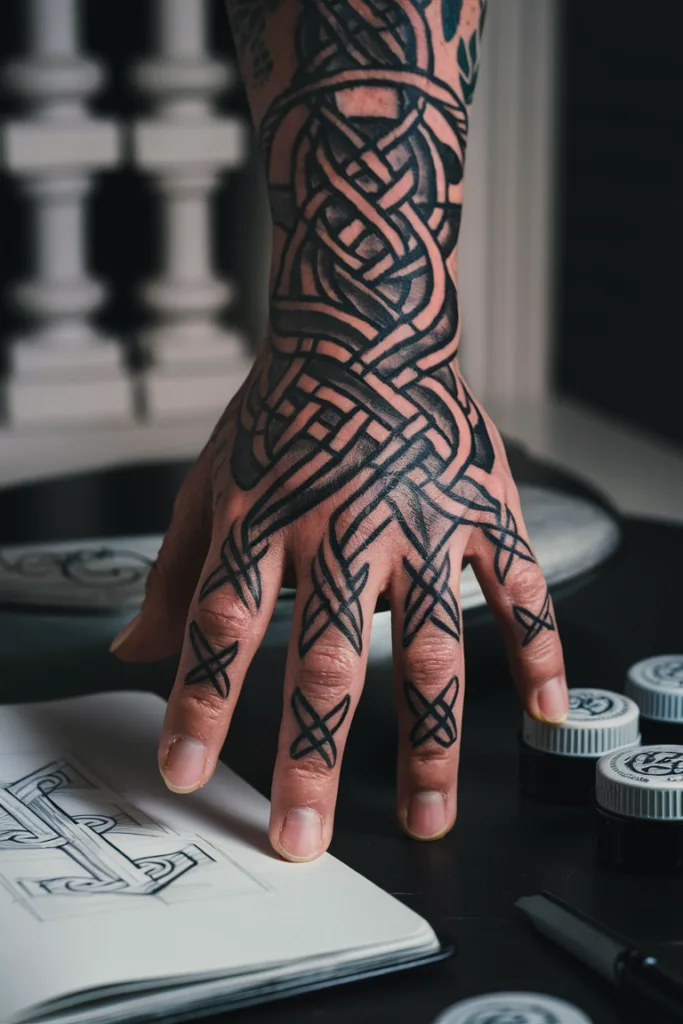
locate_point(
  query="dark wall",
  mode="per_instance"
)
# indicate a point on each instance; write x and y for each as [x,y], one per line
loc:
[124,240]
[621,263]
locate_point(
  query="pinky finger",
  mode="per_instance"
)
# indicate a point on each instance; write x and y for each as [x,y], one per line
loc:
[520,601]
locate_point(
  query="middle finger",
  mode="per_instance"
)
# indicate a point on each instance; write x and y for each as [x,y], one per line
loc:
[429,672]
[324,678]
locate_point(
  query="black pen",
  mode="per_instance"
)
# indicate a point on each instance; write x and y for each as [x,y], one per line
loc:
[615,958]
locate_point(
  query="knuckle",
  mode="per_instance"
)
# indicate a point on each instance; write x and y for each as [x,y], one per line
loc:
[527,587]
[310,775]
[201,701]
[226,621]
[433,666]
[543,650]
[328,671]
[211,707]
[433,759]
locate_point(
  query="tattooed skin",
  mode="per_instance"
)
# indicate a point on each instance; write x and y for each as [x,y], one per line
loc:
[434,719]
[248,18]
[533,624]
[359,390]
[211,665]
[316,731]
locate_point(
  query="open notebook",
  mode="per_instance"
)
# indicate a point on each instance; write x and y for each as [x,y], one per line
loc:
[121,901]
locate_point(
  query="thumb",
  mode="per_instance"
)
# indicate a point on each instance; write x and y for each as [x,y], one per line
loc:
[157,631]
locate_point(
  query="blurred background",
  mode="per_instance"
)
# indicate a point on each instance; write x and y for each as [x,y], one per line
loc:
[135,237]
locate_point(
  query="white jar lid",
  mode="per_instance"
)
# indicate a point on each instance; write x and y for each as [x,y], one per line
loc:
[656,684]
[598,721]
[642,782]
[513,1008]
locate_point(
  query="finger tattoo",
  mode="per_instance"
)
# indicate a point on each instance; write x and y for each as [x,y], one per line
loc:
[534,624]
[317,731]
[434,719]
[211,664]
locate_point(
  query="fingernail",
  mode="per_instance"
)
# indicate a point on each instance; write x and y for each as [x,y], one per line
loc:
[301,835]
[121,637]
[553,701]
[184,765]
[426,815]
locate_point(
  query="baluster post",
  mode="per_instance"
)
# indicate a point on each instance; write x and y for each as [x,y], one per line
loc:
[197,363]
[61,367]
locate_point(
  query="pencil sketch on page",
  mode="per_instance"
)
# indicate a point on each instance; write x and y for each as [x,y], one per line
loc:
[70,845]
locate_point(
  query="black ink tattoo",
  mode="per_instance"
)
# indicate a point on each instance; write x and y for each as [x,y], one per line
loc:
[317,731]
[508,543]
[534,624]
[248,20]
[468,56]
[430,597]
[450,13]
[359,390]
[211,665]
[434,719]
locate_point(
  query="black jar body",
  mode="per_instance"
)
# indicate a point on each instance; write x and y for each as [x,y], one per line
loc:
[557,762]
[555,778]
[638,809]
[655,731]
[637,846]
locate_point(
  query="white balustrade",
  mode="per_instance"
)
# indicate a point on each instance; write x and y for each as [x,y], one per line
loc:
[197,362]
[61,368]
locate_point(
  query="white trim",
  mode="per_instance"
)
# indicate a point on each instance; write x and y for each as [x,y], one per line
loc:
[474,247]
[508,224]
[639,472]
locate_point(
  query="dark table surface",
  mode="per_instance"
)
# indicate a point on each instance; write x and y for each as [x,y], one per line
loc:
[503,846]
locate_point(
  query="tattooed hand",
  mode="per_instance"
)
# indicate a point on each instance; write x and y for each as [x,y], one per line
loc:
[355,457]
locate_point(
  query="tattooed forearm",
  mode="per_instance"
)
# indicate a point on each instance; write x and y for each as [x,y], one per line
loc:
[316,731]
[358,394]
[248,19]
[211,665]
[434,719]
[532,623]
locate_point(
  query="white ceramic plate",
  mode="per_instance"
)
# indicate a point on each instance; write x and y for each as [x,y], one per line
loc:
[570,536]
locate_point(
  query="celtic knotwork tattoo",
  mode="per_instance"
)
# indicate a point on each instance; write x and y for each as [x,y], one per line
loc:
[434,719]
[507,542]
[534,624]
[317,731]
[211,665]
[358,393]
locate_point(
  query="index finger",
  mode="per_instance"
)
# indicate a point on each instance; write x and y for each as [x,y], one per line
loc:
[225,625]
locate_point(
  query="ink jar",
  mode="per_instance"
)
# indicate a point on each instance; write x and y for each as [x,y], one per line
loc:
[639,809]
[557,762]
[656,685]
[512,1008]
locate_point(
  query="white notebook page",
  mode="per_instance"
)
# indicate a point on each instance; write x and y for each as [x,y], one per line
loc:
[108,879]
